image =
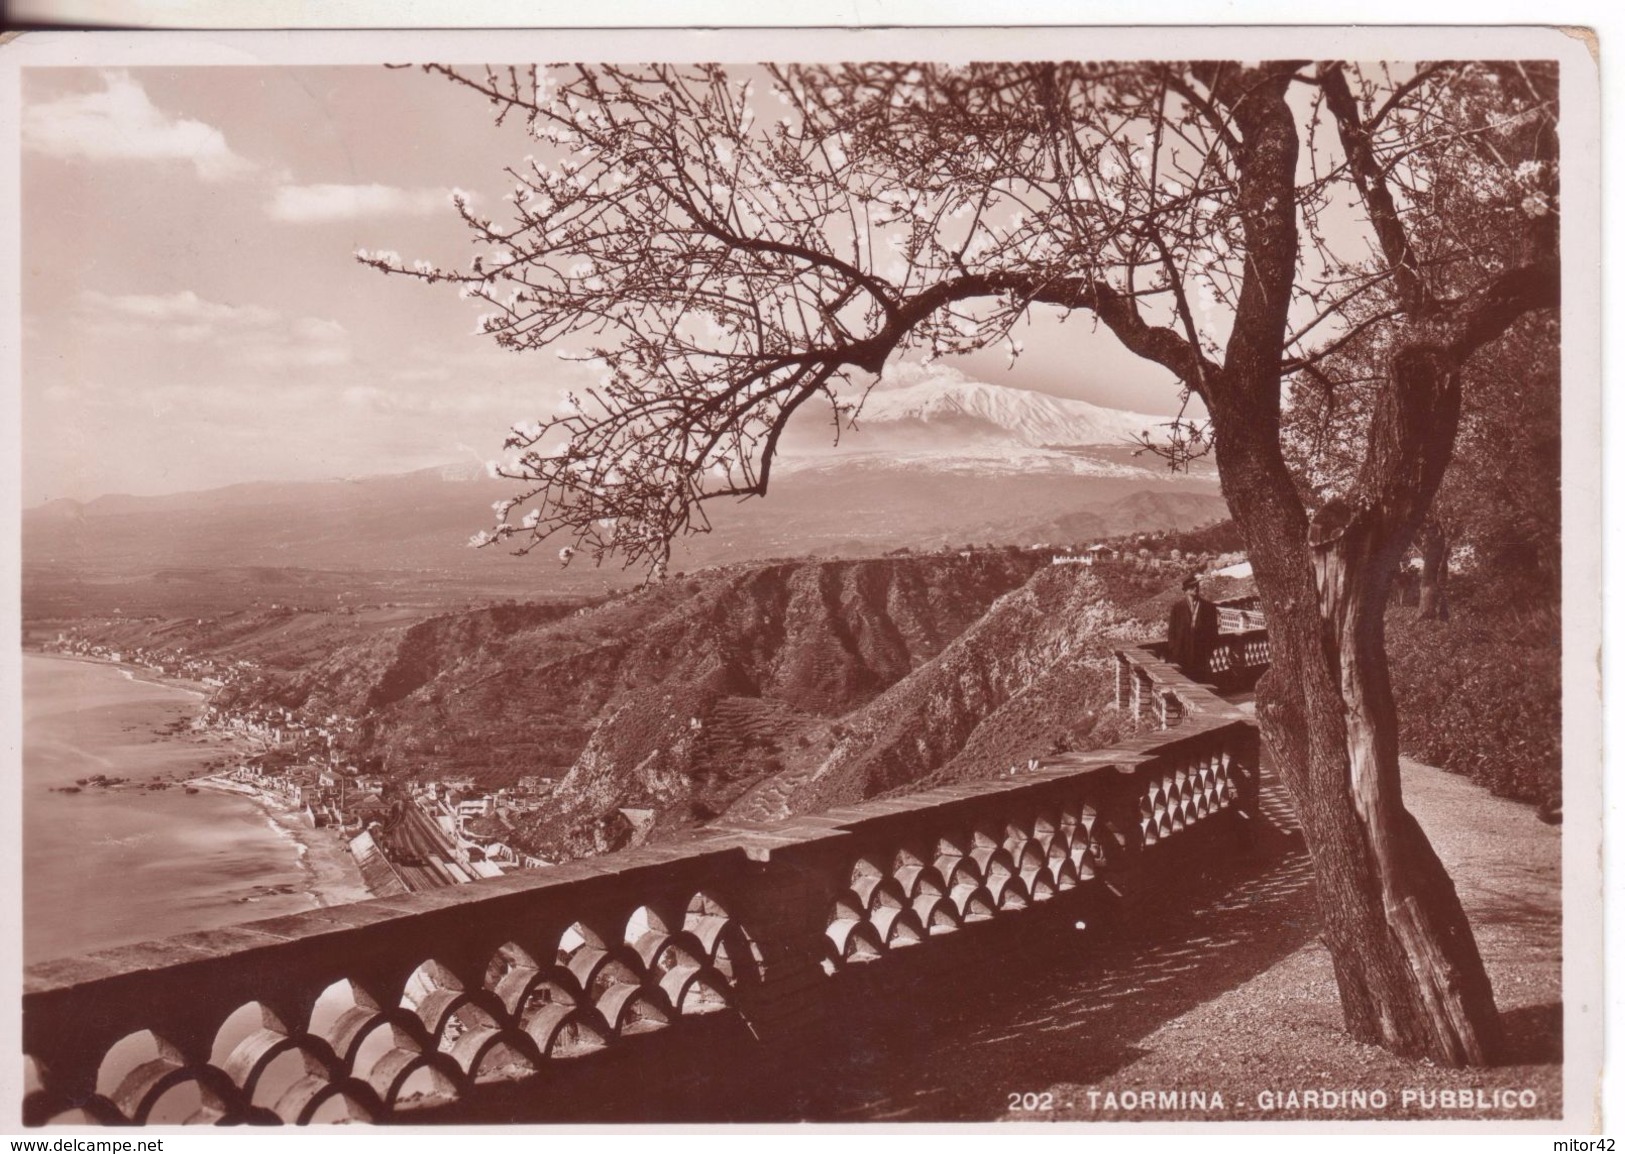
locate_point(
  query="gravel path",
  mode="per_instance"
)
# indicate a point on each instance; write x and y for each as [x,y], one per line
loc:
[1281,1031]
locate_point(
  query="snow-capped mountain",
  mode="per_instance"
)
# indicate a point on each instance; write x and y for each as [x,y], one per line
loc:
[949,412]
[940,421]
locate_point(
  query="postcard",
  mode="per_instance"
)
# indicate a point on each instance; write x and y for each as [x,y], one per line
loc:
[976,575]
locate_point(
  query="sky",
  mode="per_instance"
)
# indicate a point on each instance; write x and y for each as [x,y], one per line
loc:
[193,315]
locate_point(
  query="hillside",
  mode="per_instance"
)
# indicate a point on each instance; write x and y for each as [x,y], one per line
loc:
[1031,676]
[515,690]
[752,691]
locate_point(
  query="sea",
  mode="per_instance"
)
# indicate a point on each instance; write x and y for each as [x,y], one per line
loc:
[109,867]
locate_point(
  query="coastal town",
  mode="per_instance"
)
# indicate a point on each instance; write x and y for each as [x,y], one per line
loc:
[404,837]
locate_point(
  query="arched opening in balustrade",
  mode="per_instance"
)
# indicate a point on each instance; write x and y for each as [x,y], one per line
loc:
[1065,875]
[986,840]
[243,1022]
[704,905]
[327,1106]
[381,1048]
[647,919]
[850,941]
[1028,855]
[1008,891]
[511,964]
[406,1081]
[340,1008]
[186,1102]
[850,907]
[1003,883]
[1152,801]
[694,991]
[493,1055]
[662,945]
[618,967]
[872,889]
[132,1053]
[563,1030]
[428,979]
[631,1009]
[43,1104]
[1052,839]
[896,926]
[1017,833]
[464,1018]
[447,1011]
[143,1070]
[936,913]
[1031,858]
[1226,774]
[422,1088]
[1085,859]
[1058,852]
[609,974]
[291,1070]
[973,901]
[729,948]
[916,876]
[582,951]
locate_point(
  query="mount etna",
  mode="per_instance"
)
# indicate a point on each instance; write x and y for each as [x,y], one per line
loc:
[936,463]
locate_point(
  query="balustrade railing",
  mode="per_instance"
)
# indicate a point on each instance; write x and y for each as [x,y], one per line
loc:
[1148,685]
[391,1008]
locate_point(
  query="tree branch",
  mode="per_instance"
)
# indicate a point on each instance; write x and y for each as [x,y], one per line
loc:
[1369,178]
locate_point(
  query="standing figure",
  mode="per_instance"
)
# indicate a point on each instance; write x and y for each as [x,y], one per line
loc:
[1193,630]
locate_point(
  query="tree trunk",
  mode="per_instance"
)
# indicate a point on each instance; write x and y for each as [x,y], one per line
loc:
[1433,604]
[1408,970]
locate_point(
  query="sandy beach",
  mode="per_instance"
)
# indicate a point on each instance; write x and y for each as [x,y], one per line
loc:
[332,876]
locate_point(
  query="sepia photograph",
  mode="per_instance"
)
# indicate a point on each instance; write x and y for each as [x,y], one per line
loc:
[647,578]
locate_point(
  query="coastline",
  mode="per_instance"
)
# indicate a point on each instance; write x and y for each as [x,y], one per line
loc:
[230,746]
[135,672]
[332,877]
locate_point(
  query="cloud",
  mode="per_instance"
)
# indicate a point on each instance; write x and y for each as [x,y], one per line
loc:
[121,123]
[320,203]
[383,400]
[182,309]
[250,334]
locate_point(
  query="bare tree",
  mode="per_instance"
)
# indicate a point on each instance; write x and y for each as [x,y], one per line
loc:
[731,244]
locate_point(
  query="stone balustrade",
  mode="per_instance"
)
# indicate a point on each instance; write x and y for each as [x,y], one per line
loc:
[1152,687]
[405,1007]
[1240,620]
[1240,614]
